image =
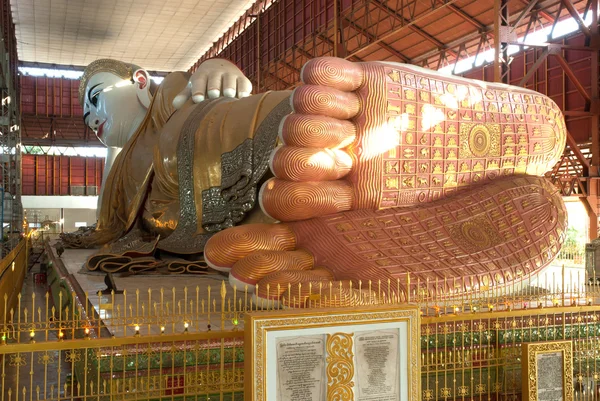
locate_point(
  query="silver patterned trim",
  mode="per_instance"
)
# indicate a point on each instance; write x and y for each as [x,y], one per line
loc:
[241,170]
[184,239]
[134,241]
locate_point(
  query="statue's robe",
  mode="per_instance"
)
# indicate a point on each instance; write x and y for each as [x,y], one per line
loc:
[186,174]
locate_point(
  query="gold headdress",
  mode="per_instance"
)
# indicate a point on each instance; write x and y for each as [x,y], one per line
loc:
[119,68]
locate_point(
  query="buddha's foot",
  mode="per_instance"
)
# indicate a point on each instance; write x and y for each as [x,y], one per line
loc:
[493,234]
[377,135]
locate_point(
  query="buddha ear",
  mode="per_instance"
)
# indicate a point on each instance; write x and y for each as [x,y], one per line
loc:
[142,81]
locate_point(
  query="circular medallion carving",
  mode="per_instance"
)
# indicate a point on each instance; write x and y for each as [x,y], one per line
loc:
[476,234]
[479,140]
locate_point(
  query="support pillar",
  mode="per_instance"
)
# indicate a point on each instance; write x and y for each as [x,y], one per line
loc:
[591,206]
[594,96]
[593,230]
[501,38]
[339,48]
[593,199]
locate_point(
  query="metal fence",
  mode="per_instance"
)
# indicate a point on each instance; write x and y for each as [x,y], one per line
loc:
[160,343]
[572,255]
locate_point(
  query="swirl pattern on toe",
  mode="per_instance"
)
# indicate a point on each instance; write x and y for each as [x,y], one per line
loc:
[315,292]
[333,71]
[257,265]
[227,247]
[310,164]
[273,286]
[321,100]
[317,131]
[291,201]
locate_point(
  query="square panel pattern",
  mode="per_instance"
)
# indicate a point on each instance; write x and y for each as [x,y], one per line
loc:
[454,135]
[491,235]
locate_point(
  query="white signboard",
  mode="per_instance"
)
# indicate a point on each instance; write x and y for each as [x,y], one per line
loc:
[371,355]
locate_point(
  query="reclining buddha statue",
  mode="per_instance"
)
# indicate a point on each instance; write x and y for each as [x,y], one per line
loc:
[367,172]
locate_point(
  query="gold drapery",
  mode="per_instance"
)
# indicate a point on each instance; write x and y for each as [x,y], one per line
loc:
[210,155]
[127,182]
[223,151]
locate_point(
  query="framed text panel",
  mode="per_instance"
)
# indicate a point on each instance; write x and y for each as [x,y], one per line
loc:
[548,371]
[357,354]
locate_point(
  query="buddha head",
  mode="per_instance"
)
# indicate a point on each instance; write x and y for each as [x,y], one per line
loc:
[115,97]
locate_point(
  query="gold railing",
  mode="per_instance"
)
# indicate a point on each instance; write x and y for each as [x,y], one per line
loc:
[40,237]
[188,342]
[206,365]
[571,255]
[155,311]
[479,355]
[12,272]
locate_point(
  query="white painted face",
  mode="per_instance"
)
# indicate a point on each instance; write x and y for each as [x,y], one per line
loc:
[114,108]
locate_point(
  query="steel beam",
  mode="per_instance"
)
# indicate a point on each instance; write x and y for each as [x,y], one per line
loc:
[594,93]
[470,19]
[410,24]
[393,32]
[569,72]
[489,30]
[280,80]
[302,51]
[524,12]
[585,164]
[372,37]
[534,68]
[555,46]
[541,11]
[571,8]
[591,206]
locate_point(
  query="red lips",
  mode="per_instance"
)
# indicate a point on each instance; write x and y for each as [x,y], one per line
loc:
[99,132]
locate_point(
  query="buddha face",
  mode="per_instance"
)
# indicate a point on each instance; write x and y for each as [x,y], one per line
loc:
[114,108]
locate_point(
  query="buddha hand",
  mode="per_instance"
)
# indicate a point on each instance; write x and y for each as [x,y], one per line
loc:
[214,78]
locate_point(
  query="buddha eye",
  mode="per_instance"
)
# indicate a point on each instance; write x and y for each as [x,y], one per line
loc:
[94,98]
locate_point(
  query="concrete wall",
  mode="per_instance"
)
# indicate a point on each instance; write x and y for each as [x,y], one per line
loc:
[66,202]
[73,216]
[51,209]
[41,215]
[52,215]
